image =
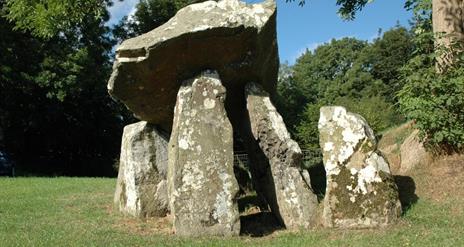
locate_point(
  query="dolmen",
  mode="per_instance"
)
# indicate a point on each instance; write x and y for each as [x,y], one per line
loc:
[201,84]
[197,83]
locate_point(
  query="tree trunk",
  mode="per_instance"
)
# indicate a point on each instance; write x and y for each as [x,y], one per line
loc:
[448,25]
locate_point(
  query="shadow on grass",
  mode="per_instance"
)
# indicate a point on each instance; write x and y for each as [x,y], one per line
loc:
[407,191]
[256,219]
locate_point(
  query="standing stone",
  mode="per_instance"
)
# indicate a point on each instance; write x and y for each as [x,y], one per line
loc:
[141,189]
[201,182]
[360,192]
[296,203]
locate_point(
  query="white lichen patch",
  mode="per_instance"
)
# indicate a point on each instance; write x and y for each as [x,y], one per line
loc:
[378,162]
[353,171]
[328,146]
[367,176]
[193,178]
[209,103]
[291,194]
[183,143]
[353,199]
[223,204]
[203,7]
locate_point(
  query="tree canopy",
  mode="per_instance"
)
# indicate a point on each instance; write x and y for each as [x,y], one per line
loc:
[362,76]
[348,8]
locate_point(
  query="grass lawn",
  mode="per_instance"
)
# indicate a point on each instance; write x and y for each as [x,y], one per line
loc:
[78,212]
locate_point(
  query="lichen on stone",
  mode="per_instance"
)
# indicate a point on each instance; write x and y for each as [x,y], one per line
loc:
[360,192]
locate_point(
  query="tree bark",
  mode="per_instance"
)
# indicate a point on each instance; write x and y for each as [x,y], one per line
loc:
[448,26]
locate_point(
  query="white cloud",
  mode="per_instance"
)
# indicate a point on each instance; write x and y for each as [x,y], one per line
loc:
[303,50]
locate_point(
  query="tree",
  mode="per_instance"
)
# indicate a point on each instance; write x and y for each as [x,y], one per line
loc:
[385,58]
[362,76]
[434,100]
[47,19]
[56,114]
[348,8]
[322,74]
[448,25]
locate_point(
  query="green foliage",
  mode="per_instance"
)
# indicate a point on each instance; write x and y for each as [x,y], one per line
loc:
[435,101]
[290,100]
[364,77]
[348,8]
[308,134]
[53,101]
[47,19]
[386,56]
[379,113]
[322,74]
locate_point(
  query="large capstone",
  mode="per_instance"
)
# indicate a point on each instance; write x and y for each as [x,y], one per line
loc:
[234,38]
[361,191]
[296,204]
[201,182]
[141,189]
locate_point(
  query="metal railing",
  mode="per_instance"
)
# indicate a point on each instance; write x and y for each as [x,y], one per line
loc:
[241,157]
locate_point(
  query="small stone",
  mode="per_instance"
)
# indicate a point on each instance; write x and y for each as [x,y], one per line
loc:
[361,192]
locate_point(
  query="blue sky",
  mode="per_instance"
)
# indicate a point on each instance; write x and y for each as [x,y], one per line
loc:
[301,28]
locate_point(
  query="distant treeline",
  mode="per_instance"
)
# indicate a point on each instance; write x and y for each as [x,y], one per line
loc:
[56,56]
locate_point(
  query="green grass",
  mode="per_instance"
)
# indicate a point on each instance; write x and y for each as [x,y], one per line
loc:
[78,212]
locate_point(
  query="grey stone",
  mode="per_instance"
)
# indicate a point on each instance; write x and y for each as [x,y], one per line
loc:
[201,183]
[296,203]
[141,187]
[361,192]
[236,39]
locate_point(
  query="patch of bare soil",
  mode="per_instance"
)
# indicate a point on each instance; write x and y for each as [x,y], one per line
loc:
[145,227]
[441,179]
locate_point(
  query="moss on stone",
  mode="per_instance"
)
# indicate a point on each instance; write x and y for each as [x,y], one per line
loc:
[369,205]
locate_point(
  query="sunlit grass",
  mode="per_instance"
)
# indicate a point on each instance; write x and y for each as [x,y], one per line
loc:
[78,212]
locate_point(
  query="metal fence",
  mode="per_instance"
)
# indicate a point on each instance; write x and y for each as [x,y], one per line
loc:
[241,157]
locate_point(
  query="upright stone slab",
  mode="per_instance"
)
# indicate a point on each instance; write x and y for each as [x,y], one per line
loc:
[141,189]
[296,203]
[361,192]
[201,182]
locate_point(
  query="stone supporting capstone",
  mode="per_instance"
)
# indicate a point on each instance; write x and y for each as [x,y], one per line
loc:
[201,182]
[295,203]
[141,189]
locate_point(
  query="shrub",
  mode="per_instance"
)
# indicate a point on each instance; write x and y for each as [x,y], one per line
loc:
[378,113]
[436,102]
